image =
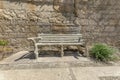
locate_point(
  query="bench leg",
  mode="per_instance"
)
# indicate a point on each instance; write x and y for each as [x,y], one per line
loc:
[36,52]
[80,49]
[62,51]
[86,51]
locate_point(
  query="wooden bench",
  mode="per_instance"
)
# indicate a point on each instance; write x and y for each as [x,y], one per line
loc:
[58,39]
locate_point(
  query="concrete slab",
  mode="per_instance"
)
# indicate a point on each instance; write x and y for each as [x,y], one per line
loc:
[62,59]
[36,74]
[94,73]
[12,58]
[76,73]
[25,57]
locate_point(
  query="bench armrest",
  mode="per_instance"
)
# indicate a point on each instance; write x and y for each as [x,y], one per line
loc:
[35,39]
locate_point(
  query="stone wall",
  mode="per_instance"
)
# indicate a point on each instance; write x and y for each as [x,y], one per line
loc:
[100,21]
[97,20]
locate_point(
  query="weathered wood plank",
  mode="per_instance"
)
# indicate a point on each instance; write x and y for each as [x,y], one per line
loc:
[59,43]
[60,35]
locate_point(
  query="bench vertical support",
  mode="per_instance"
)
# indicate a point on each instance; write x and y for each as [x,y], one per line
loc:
[80,50]
[86,51]
[36,51]
[62,51]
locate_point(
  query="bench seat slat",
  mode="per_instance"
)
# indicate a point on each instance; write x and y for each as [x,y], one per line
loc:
[59,34]
[59,43]
[61,37]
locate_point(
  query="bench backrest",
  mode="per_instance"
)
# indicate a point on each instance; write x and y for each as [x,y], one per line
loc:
[60,38]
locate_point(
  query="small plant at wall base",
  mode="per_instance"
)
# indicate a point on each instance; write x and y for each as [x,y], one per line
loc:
[3,43]
[102,52]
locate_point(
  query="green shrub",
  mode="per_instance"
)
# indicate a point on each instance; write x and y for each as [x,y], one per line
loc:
[3,42]
[102,52]
[5,50]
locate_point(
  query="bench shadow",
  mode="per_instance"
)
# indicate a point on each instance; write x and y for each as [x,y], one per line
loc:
[49,53]
[73,53]
[29,55]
